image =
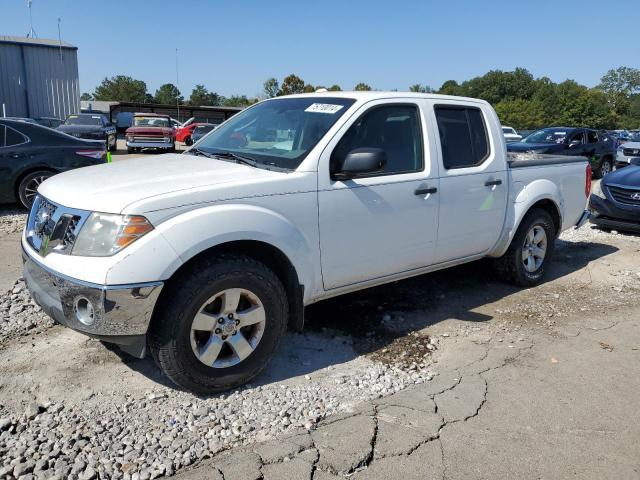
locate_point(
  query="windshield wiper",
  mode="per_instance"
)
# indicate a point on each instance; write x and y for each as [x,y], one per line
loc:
[197,151]
[238,158]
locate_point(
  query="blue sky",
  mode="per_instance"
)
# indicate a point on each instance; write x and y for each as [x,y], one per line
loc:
[233,46]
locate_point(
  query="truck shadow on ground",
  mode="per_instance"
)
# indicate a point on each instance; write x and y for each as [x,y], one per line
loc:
[340,329]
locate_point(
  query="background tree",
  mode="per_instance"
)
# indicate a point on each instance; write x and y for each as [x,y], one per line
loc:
[271,87]
[419,88]
[121,88]
[86,97]
[362,87]
[201,96]
[168,94]
[291,84]
[335,88]
[308,88]
[619,85]
[450,87]
[238,101]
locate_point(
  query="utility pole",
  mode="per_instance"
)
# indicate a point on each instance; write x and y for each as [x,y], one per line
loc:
[177,83]
[59,40]
[32,32]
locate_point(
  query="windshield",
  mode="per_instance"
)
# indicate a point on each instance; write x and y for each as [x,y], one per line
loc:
[83,120]
[151,122]
[547,135]
[279,132]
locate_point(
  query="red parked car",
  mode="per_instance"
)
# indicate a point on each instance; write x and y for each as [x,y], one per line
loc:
[183,133]
[150,130]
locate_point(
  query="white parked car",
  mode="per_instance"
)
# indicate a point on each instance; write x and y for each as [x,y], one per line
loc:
[510,134]
[207,257]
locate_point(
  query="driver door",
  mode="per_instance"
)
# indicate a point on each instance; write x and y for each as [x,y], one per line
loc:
[385,222]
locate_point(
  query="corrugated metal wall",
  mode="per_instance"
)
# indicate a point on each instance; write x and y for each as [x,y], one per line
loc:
[38,81]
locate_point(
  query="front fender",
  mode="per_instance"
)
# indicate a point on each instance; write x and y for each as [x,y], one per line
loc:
[531,194]
[195,231]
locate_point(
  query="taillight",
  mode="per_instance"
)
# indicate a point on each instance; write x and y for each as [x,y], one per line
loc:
[97,154]
[587,181]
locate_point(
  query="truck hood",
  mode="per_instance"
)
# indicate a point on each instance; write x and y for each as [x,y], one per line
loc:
[627,176]
[80,129]
[112,187]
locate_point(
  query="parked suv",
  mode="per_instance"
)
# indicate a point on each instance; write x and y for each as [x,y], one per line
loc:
[598,147]
[206,258]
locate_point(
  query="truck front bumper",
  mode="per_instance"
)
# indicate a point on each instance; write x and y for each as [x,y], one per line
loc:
[117,314]
[166,145]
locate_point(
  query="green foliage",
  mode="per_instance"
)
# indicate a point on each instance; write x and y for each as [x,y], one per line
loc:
[238,101]
[291,84]
[201,96]
[308,88]
[525,102]
[362,87]
[271,87]
[121,88]
[168,94]
[419,88]
[334,88]
[86,97]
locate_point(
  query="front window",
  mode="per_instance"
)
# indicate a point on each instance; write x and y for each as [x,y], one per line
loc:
[279,132]
[139,121]
[83,120]
[547,135]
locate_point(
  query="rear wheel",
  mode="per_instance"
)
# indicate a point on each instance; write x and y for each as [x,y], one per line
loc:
[525,261]
[219,324]
[188,141]
[605,167]
[28,187]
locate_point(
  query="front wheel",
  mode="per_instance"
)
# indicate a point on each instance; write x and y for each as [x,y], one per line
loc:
[219,324]
[28,187]
[188,141]
[526,259]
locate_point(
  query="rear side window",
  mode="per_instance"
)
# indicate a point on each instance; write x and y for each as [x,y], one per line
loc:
[10,137]
[592,137]
[463,136]
[393,128]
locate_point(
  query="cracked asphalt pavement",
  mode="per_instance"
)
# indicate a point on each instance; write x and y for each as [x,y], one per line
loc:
[556,406]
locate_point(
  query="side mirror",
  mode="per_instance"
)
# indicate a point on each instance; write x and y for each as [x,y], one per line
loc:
[361,161]
[574,143]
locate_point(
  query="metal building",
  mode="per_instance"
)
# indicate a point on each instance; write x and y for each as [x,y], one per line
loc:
[38,78]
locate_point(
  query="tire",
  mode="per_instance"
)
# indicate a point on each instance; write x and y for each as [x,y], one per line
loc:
[28,186]
[173,148]
[511,266]
[114,147]
[130,150]
[188,141]
[178,348]
[606,166]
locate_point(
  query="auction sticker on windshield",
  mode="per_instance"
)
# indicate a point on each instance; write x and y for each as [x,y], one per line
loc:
[323,108]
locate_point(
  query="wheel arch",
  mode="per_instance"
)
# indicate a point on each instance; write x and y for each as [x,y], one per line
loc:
[271,256]
[24,173]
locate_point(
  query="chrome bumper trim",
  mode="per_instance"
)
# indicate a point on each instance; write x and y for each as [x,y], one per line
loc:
[119,310]
[150,144]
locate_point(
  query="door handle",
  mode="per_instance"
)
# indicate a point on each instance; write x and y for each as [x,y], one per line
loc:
[491,183]
[424,191]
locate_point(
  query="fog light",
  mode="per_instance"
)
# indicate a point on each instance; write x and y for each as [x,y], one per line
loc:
[84,310]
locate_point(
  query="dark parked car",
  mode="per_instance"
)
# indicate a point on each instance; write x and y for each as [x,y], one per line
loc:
[50,122]
[201,130]
[598,147]
[30,153]
[616,202]
[91,126]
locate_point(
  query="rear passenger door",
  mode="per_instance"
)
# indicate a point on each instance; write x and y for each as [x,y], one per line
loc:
[473,180]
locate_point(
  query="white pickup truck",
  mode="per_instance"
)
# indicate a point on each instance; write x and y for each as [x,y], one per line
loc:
[207,257]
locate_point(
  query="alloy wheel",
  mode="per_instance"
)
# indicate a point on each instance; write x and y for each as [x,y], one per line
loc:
[535,248]
[227,328]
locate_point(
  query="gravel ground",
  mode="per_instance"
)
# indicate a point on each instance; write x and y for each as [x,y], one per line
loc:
[12,220]
[140,434]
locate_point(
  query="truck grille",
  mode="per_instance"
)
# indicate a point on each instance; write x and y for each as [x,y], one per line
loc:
[631,152]
[149,138]
[625,195]
[52,227]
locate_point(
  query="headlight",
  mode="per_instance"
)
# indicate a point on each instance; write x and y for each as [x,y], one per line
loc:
[104,234]
[597,190]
